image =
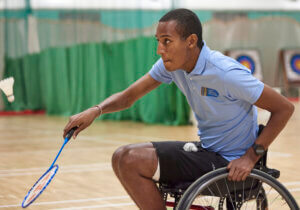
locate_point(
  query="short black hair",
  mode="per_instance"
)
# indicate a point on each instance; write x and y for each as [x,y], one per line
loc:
[187,23]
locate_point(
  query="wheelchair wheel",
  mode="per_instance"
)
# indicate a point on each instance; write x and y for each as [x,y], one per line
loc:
[258,191]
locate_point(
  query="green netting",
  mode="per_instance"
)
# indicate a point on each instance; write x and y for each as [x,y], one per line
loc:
[65,81]
[65,61]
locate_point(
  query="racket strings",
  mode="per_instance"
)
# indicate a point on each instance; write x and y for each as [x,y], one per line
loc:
[40,186]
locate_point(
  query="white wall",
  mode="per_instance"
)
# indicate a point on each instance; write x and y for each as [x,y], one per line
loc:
[105,4]
[12,4]
[241,4]
[283,5]
[167,4]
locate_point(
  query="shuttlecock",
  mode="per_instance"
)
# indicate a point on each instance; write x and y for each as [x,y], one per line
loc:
[6,86]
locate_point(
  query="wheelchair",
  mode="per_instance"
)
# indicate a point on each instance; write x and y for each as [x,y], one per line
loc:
[213,190]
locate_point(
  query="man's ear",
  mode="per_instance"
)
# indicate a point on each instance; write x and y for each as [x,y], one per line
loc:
[192,41]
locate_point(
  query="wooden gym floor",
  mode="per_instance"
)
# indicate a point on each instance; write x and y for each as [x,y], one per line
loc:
[85,180]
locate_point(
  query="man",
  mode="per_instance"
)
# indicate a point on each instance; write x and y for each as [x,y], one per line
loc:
[220,91]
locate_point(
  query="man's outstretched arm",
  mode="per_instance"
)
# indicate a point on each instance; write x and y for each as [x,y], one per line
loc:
[116,102]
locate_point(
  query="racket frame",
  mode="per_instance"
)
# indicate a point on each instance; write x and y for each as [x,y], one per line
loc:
[48,182]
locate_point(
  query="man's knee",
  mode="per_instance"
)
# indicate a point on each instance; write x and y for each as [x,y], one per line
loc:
[117,156]
[123,155]
[132,158]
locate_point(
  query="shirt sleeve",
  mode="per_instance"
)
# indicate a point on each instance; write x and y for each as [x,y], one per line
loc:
[159,72]
[240,84]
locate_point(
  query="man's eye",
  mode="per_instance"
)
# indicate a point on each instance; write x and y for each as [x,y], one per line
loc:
[167,41]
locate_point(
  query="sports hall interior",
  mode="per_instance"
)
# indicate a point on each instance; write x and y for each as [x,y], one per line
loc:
[68,55]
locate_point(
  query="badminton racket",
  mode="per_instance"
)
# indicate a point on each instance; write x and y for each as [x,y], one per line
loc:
[46,178]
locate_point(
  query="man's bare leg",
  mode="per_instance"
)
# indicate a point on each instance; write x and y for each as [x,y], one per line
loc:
[116,159]
[135,166]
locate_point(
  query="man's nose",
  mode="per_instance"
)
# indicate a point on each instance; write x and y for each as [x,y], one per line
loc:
[160,49]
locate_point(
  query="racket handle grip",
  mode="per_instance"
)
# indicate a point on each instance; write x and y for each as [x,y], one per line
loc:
[70,133]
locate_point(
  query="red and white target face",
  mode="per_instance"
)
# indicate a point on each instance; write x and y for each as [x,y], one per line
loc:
[40,185]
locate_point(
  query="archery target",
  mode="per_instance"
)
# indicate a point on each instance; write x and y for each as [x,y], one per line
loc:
[292,64]
[247,61]
[250,59]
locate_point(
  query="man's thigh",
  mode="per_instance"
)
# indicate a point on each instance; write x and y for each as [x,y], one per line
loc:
[178,165]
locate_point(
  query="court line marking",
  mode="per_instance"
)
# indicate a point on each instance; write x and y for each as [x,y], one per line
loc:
[279,154]
[98,138]
[99,206]
[64,169]
[290,183]
[53,132]
[69,201]
[67,166]
[44,151]
[61,172]
[30,139]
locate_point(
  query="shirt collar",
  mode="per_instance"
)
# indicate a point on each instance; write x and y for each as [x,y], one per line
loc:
[199,67]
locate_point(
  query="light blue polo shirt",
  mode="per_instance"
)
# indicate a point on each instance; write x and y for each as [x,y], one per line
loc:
[221,93]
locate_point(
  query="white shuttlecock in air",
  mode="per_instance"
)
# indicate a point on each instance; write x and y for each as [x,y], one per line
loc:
[6,86]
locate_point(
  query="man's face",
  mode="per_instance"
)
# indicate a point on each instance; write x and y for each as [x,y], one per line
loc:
[172,48]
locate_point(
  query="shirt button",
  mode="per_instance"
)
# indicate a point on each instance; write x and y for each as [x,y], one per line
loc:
[191,78]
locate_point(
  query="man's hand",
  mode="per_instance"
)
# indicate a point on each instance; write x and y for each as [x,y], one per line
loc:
[240,168]
[81,120]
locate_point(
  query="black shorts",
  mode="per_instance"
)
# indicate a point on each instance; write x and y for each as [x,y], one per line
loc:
[177,165]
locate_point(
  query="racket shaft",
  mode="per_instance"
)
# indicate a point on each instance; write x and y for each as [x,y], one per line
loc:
[58,154]
[68,136]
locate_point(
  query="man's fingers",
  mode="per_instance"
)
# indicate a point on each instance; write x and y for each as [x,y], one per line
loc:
[238,175]
[66,130]
[246,173]
[239,169]
[78,130]
[231,173]
[245,176]
[229,165]
[81,121]
[69,126]
[235,175]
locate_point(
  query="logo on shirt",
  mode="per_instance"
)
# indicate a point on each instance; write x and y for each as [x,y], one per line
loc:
[209,92]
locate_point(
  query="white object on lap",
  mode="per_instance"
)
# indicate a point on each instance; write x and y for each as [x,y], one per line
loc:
[190,147]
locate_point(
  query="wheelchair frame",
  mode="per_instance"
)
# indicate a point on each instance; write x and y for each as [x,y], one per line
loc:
[184,193]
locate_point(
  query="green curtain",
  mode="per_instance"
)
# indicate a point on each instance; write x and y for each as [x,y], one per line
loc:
[65,81]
